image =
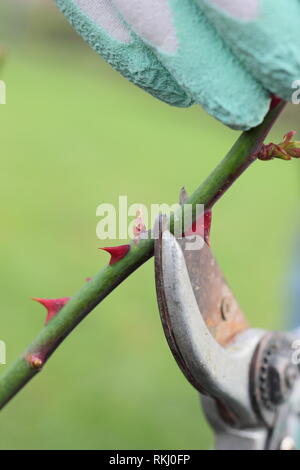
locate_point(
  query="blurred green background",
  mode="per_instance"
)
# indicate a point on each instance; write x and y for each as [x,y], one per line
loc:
[74,134]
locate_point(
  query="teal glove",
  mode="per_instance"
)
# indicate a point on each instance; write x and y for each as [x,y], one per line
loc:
[226,55]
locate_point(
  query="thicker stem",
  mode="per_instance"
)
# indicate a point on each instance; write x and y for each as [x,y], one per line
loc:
[242,154]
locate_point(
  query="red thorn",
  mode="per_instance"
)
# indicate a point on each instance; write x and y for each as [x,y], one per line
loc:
[201,227]
[88,279]
[275,101]
[52,305]
[116,252]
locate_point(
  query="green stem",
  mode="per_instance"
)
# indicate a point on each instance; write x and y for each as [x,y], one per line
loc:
[242,154]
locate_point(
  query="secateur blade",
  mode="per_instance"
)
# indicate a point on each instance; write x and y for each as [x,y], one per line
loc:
[203,323]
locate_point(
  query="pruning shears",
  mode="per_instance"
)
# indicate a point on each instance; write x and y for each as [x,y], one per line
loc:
[248,379]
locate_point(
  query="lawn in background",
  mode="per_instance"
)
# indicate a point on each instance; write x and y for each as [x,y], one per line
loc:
[74,134]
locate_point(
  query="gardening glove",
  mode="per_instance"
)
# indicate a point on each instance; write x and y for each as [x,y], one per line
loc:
[226,55]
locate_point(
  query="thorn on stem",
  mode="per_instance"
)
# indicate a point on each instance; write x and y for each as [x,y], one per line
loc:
[201,227]
[183,196]
[53,306]
[139,226]
[116,252]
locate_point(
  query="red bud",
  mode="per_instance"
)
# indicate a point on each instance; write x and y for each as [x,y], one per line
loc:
[34,361]
[139,226]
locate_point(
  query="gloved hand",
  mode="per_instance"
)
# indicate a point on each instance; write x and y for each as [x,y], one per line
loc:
[226,55]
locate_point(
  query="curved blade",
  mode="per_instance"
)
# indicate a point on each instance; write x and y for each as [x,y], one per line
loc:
[190,291]
[218,306]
